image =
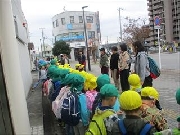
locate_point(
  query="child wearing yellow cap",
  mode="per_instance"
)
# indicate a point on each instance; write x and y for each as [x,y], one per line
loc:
[131,125]
[135,82]
[150,113]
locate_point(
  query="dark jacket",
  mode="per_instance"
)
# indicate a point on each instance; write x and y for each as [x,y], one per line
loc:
[81,59]
[133,125]
[114,61]
[104,60]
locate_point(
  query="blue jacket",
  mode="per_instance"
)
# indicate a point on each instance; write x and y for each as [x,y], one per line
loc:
[83,109]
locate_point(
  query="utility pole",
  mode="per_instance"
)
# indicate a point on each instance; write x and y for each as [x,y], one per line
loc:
[43,41]
[120,25]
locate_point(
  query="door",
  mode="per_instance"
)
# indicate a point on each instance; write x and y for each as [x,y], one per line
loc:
[5,118]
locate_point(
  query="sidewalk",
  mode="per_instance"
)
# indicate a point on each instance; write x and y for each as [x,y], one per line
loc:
[166,84]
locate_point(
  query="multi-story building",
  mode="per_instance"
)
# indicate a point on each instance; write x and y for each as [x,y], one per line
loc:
[169,13]
[69,26]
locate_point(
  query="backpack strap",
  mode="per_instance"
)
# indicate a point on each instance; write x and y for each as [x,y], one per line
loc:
[145,129]
[97,126]
[122,127]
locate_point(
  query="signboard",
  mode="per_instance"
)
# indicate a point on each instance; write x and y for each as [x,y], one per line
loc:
[157,22]
[75,26]
[77,44]
[72,36]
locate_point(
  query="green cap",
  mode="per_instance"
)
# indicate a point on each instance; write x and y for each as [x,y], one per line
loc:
[178,119]
[50,71]
[75,81]
[102,80]
[53,62]
[178,96]
[109,90]
[63,74]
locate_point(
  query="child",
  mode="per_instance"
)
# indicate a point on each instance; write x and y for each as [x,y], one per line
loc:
[150,113]
[42,78]
[98,124]
[133,125]
[135,83]
[76,83]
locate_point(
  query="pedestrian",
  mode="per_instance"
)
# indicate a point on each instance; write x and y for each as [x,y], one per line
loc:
[132,124]
[104,62]
[142,64]
[62,60]
[124,67]
[82,59]
[66,59]
[114,60]
[150,113]
[109,95]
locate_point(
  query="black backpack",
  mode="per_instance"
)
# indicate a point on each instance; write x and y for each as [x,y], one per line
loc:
[147,127]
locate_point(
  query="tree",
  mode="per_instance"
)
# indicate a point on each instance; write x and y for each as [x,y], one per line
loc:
[136,30]
[61,47]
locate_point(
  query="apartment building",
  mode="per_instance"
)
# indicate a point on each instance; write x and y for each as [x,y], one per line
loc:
[169,13]
[69,27]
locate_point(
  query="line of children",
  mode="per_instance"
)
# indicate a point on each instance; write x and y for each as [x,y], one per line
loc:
[106,117]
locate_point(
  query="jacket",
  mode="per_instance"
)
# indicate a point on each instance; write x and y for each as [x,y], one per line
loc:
[81,59]
[132,124]
[104,60]
[124,58]
[83,109]
[141,65]
[114,61]
[154,117]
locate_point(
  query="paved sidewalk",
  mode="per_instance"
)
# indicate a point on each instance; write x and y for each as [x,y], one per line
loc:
[166,84]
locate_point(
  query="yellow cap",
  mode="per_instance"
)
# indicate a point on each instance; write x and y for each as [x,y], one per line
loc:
[81,66]
[93,84]
[150,92]
[134,80]
[77,65]
[130,100]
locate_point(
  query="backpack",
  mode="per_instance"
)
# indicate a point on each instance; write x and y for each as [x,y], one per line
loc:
[57,104]
[90,97]
[70,113]
[97,125]
[144,130]
[153,68]
[96,103]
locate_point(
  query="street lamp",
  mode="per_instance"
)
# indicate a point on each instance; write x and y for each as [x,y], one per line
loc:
[88,58]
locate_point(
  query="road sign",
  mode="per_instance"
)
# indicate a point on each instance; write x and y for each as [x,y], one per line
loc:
[157,21]
[157,27]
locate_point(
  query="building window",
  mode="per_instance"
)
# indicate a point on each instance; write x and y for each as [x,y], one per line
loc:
[63,21]
[91,34]
[80,19]
[89,19]
[54,25]
[71,19]
[57,23]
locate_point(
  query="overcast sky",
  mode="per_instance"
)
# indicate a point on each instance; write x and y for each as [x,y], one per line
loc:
[39,13]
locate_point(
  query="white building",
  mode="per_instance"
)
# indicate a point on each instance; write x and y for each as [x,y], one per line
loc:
[47,50]
[69,26]
[15,69]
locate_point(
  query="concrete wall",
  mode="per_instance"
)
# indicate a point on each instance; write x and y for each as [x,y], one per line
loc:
[25,67]
[9,51]
[22,46]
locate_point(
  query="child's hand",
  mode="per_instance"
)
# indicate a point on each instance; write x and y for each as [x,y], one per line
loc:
[120,112]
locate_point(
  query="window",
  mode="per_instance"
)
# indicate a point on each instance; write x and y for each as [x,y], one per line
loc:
[63,21]
[54,25]
[91,34]
[80,19]
[57,23]
[71,19]
[89,19]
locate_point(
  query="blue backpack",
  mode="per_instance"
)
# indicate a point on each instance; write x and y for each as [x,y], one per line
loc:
[153,68]
[123,130]
[70,113]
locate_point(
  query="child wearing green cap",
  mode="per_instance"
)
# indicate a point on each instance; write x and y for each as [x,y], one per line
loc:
[109,94]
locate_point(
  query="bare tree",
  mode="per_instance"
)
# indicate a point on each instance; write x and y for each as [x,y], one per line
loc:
[135,30]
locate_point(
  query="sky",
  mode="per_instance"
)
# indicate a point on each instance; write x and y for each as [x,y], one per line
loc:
[39,13]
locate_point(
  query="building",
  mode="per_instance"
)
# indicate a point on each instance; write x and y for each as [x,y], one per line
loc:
[15,69]
[47,51]
[69,26]
[169,13]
